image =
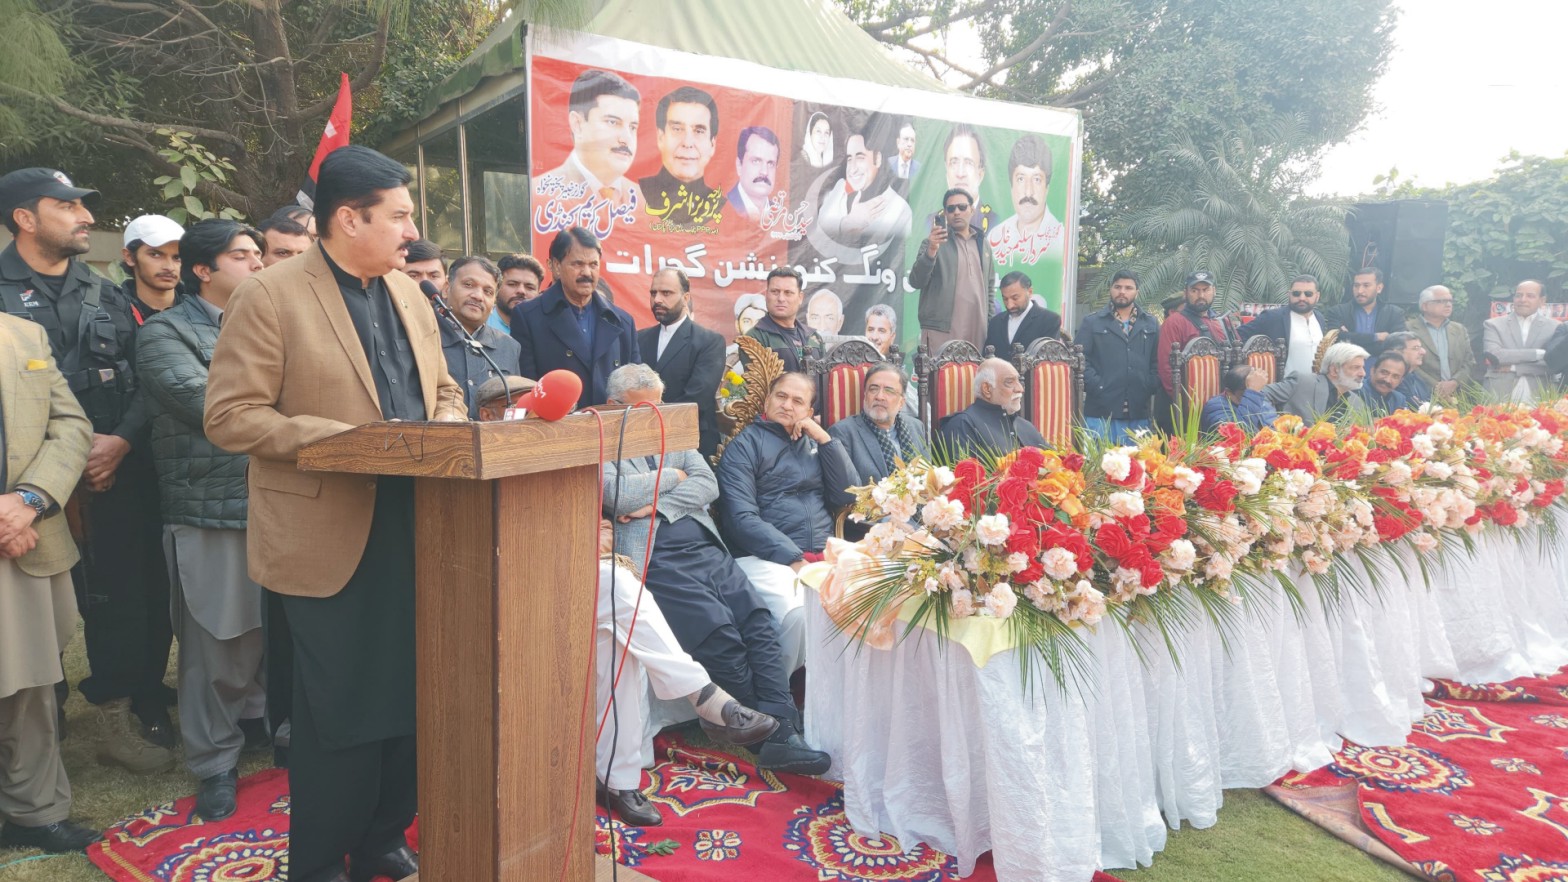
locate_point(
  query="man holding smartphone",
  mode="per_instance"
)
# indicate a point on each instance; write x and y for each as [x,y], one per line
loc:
[953,274]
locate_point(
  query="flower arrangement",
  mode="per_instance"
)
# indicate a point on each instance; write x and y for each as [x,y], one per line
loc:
[1047,543]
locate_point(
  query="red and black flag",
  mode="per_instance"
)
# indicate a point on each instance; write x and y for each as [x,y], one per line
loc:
[334,136]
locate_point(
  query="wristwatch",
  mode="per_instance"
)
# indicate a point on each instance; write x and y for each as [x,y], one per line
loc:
[37,503]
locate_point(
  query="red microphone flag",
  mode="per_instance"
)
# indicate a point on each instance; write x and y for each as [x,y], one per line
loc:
[334,136]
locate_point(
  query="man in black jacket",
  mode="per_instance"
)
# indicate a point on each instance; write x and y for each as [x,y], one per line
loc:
[1022,321]
[779,480]
[992,424]
[122,580]
[688,357]
[1364,319]
[1119,378]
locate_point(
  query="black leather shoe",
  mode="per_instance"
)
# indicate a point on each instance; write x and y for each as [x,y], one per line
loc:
[157,727]
[215,799]
[62,838]
[399,863]
[792,755]
[633,807]
[742,725]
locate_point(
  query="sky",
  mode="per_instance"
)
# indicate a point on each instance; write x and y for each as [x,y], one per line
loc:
[1467,83]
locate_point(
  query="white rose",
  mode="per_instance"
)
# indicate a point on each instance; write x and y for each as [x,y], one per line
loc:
[1059,563]
[1000,601]
[1422,444]
[1186,480]
[993,529]
[942,514]
[1439,470]
[1117,463]
[1180,556]
[1017,562]
[1126,505]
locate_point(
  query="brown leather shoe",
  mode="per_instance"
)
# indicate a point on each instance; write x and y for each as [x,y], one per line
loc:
[633,807]
[742,725]
[399,863]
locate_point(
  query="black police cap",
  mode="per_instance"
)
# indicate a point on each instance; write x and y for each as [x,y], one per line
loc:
[27,184]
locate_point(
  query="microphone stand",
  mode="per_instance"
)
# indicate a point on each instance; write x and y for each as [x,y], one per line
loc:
[446,312]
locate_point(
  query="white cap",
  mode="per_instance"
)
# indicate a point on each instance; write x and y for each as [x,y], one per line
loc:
[154,230]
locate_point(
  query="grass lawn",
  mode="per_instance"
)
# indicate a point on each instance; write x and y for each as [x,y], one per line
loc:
[1256,839]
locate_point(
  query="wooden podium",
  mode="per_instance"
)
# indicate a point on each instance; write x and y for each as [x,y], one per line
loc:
[506,567]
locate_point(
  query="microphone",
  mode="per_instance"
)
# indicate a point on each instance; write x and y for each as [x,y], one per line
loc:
[554,396]
[429,289]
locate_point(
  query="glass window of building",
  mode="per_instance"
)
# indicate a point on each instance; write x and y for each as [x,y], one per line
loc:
[498,179]
[444,192]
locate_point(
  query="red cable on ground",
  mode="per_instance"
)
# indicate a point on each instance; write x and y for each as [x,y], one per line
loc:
[593,630]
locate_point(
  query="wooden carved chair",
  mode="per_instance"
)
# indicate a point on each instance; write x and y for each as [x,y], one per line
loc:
[841,376]
[946,380]
[1263,353]
[1052,372]
[762,367]
[1197,368]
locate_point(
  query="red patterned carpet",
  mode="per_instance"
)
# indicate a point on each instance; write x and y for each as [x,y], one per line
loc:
[1478,794]
[726,819]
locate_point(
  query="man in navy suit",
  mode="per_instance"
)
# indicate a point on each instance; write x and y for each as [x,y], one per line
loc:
[1023,321]
[756,170]
[688,357]
[573,326]
[1297,323]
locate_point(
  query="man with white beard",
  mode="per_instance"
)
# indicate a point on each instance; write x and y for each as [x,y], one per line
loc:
[1316,396]
[992,424]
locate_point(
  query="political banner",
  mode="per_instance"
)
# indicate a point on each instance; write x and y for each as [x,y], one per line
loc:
[727,169]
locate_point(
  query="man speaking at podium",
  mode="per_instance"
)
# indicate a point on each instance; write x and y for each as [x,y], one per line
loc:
[310,347]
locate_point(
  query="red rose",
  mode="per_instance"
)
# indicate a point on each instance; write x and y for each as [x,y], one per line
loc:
[1150,573]
[1114,541]
[1013,494]
[1073,462]
[1218,496]
[1023,540]
[1027,464]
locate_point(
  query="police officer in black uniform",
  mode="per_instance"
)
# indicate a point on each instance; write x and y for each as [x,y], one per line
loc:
[122,586]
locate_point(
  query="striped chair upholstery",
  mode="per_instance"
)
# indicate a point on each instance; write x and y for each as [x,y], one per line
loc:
[1265,354]
[952,389]
[1052,371]
[947,380]
[1199,366]
[1051,402]
[842,397]
[841,376]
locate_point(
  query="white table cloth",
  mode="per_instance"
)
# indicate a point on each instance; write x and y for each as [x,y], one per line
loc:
[933,749]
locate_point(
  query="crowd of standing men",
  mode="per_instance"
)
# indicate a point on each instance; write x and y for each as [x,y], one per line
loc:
[155,426]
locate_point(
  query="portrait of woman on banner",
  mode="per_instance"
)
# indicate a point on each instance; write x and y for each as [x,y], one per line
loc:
[817,145]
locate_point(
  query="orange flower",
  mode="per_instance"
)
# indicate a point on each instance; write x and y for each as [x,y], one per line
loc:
[1288,423]
[1320,432]
[1170,499]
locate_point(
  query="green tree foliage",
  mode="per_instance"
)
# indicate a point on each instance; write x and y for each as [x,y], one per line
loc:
[1510,227]
[1148,74]
[252,82]
[1233,208]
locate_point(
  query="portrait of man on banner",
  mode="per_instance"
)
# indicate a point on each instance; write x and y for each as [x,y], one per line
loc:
[603,117]
[1032,232]
[687,135]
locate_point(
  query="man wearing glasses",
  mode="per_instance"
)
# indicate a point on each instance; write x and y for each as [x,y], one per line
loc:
[1450,361]
[953,273]
[1297,323]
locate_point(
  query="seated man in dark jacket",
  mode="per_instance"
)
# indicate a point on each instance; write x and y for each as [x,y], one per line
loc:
[777,481]
[1240,401]
[712,608]
[992,424]
[883,432]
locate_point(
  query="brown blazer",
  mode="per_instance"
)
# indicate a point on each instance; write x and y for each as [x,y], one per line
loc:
[46,437]
[289,370]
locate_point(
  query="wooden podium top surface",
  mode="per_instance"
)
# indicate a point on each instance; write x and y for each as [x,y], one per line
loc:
[487,451]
